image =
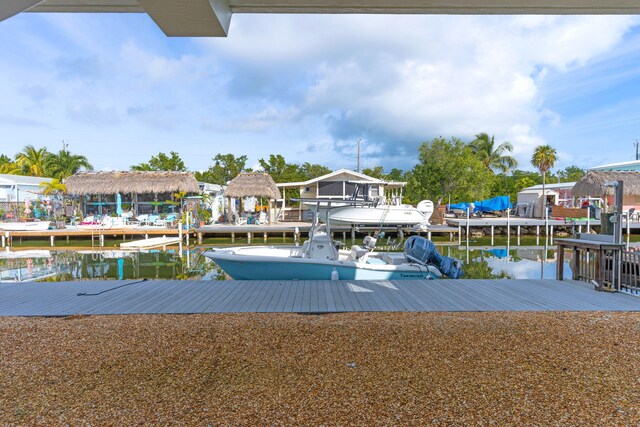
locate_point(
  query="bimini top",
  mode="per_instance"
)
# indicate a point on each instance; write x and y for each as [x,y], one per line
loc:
[139,182]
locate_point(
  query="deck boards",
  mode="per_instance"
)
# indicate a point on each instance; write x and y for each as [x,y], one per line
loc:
[194,296]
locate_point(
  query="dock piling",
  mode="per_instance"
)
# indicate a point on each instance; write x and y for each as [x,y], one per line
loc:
[53,240]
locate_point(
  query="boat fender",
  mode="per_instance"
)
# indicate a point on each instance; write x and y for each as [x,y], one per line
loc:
[335,275]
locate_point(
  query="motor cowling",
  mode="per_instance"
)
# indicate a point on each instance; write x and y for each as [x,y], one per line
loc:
[422,251]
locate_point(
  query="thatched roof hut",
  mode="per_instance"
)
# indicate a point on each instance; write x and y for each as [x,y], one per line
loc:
[256,184]
[592,184]
[138,182]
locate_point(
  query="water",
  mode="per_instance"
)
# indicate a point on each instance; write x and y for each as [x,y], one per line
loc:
[481,262]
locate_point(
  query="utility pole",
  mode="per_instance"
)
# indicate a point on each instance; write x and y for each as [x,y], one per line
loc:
[637,144]
[65,145]
[358,170]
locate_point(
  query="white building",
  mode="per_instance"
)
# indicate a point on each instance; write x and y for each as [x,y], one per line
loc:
[530,199]
[17,188]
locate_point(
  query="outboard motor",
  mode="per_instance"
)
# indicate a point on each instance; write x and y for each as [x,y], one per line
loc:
[423,251]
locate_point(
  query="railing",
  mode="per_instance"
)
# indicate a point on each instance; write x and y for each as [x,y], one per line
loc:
[596,262]
[630,272]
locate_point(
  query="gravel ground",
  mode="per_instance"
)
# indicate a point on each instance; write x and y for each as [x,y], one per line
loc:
[340,369]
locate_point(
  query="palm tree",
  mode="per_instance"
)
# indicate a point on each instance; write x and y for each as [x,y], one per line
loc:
[493,158]
[544,158]
[32,160]
[52,187]
[64,164]
[10,168]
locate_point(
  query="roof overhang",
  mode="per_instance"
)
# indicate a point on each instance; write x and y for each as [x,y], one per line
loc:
[210,18]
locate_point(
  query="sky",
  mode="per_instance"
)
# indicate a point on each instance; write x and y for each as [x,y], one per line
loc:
[117,90]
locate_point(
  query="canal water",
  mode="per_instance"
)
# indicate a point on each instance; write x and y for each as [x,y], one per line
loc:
[481,261]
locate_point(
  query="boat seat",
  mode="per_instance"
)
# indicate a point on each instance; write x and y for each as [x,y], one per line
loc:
[357,252]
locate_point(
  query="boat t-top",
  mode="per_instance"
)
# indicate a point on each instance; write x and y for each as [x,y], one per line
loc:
[320,258]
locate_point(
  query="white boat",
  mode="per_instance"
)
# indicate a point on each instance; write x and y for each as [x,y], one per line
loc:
[361,209]
[320,259]
[25,226]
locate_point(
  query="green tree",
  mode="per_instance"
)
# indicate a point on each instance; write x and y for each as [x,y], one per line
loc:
[4,159]
[63,164]
[493,158]
[448,168]
[280,170]
[162,162]
[571,174]
[225,168]
[53,187]
[376,172]
[311,171]
[544,158]
[32,161]
[395,175]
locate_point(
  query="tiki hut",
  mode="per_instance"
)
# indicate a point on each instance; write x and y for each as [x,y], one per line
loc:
[593,185]
[140,192]
[252,184]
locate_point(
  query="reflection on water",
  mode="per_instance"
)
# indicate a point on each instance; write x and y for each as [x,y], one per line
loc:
[99,265]
[481,262]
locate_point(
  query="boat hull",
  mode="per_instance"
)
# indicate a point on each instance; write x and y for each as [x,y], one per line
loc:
[25,226]
[248,267]
[382,215]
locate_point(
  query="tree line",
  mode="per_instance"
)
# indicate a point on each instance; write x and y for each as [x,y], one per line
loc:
[446,169]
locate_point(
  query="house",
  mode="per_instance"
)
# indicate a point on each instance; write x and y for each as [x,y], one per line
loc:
[595,184]
[530,198]
[140,192]
[16,188]
[337,185]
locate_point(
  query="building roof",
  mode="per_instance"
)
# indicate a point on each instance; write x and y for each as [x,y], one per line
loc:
[633,165]
[249,184]
[593,183]
[555,186]
[139,182]
[6,179]
[356,175]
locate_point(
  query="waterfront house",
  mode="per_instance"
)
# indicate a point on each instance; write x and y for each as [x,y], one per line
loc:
[138,192]
[593,185]
[337,185]
[558,194]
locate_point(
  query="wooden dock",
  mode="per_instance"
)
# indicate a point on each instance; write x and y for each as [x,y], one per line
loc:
[166,296]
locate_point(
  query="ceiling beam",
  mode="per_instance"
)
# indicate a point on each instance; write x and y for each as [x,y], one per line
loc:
[8,8]
[193,18]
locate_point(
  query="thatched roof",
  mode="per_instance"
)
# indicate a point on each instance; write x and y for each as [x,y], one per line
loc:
[130,182]
[592,184]
[256,184]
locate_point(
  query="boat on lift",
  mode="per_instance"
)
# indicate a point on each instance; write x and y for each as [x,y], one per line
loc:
[365,208]
[320,258]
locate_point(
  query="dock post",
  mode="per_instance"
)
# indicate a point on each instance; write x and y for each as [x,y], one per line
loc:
[580,229]
[8,236]
[468,213]
[248,237]
[180,236]
[4,241]
[233,237]
[199,237]
[188,232]
[492,230]
[344,236]
[401,234]
[459,235]
[67,239]
[265,237]
[429,234]
[284,236]
[146,236]
[52,238]
[101,240]
[551,233]
[353,235]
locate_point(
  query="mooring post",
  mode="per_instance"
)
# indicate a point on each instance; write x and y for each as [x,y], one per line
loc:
[429,234]
[4,241]
[492,230]
[551,233]
[265,237]
[53,240]
[459,234]
[353,235]
[233,237]
[249,237]
[200,237]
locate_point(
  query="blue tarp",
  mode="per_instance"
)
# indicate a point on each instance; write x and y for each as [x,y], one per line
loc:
[500,203]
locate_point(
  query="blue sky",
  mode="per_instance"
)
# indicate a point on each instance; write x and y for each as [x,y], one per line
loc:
[309,86]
